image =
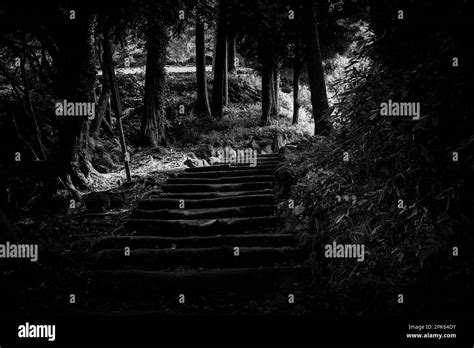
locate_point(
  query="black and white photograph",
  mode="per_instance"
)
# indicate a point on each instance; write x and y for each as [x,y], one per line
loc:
[251,172]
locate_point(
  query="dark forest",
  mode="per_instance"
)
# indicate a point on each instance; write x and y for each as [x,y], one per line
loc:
[281,171]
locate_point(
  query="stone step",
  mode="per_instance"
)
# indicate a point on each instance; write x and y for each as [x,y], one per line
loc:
[227,173]
[221,256]
[217,187]
[204,213]
[137,242]
[226,167]
[224,180]
[223,280]
[252,165]
[232,201]
[207,195]
[202,227]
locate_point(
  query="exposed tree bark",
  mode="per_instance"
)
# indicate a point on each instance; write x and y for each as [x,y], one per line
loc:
[297,68]
[220,60]
[319,98]
[276,91]
[202,102]
[152,132]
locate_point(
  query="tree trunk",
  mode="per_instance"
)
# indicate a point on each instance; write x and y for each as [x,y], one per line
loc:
[202,102]
[231,54]
[319,98]
[220,56]
[276,92]
[267,90]
[116,102]
[100,111]
[152,131]
[77,81]
[226,77]
[297,67]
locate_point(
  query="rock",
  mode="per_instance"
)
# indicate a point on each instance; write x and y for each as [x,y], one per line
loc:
[191,156]
[214,160]
[205,151]
[100,202]
[254,145]
[268,149]
[193,162]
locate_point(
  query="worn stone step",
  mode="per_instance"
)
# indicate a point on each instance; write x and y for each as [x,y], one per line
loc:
[232,201]
[227,173]
[216,187]
[223,280]
[204,213]
[202,227]
[269,155]
[224,180]
[206,195]
[226,167]
[221,256]
[137,242]
[263,162]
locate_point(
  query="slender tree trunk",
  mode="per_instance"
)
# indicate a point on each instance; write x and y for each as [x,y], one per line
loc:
[297,67]
[226,77]
[116,103]
[152,131]
[267,90]
[319,98]
[101,107]
[231,54]
[214,49]
[220,57]
[276,91]
[202,103]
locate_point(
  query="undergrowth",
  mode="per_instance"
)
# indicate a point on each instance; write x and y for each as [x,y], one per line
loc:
[400,194]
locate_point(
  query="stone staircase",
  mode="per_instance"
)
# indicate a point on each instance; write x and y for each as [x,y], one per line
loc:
[212,231]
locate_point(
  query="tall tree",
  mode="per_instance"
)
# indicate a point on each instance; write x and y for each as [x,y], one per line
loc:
[152,130]
[276,91]
[220,57]
[297,69]
[314,61]
[267,70]
[231,53]
[77,77]
[202,102]
[226,76]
